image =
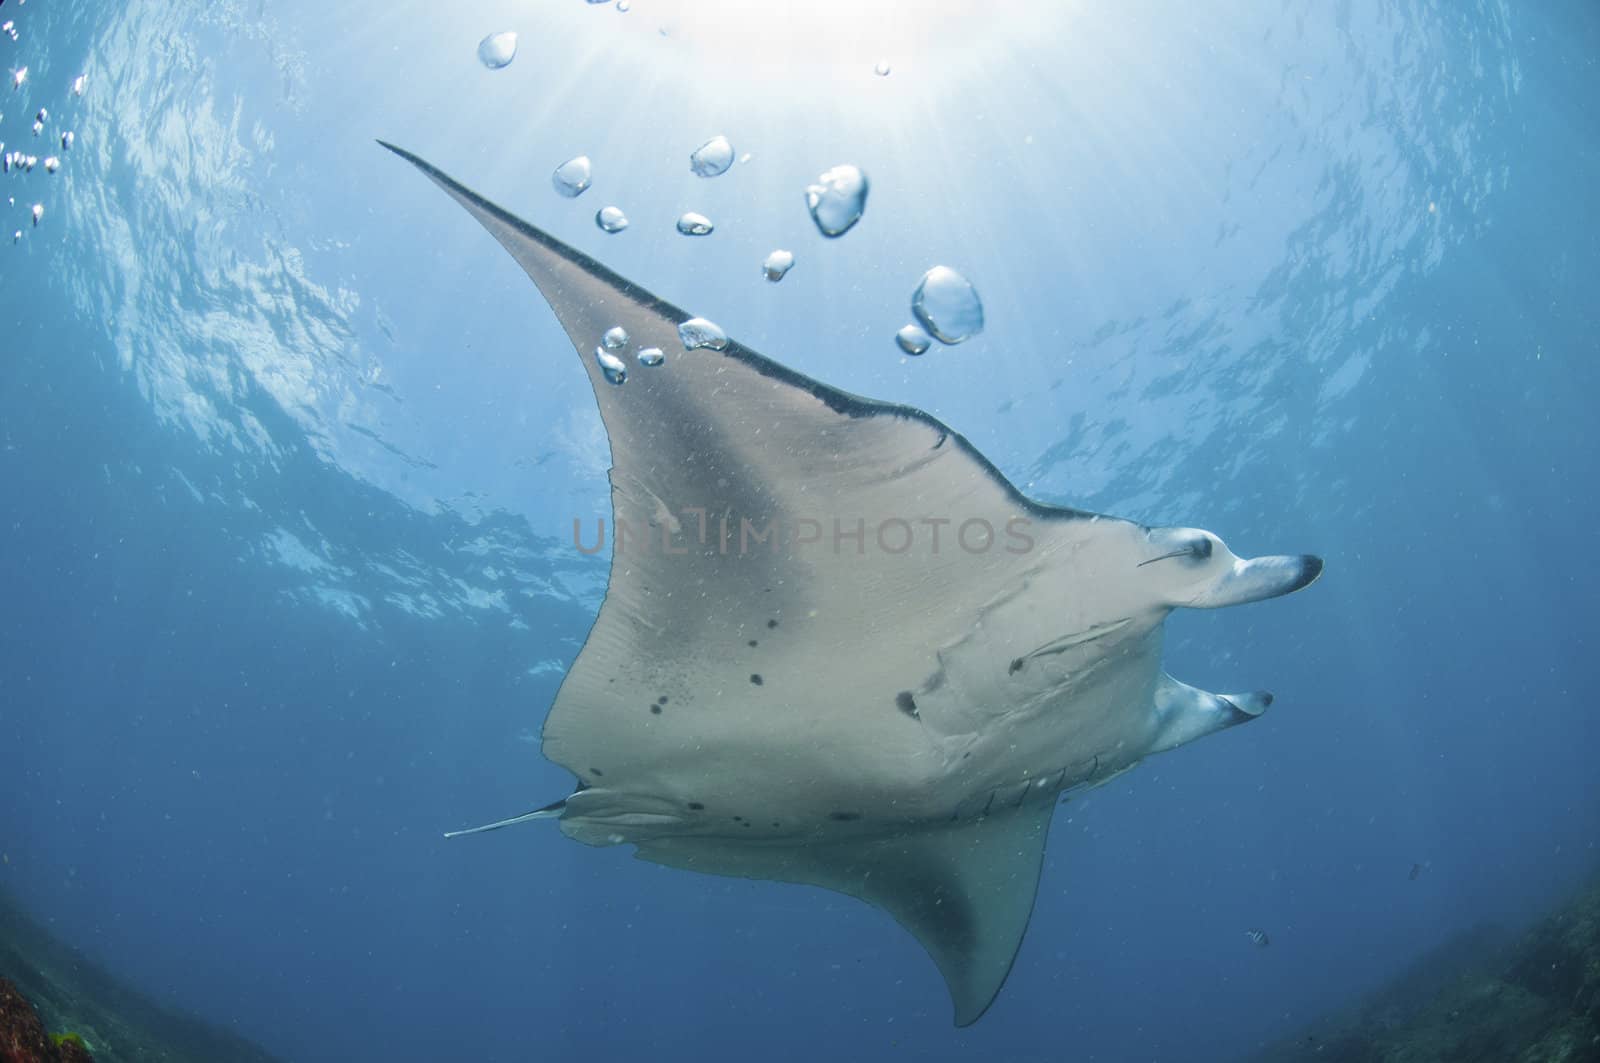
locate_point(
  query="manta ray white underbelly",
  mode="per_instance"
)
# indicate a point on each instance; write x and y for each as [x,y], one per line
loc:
[838,647]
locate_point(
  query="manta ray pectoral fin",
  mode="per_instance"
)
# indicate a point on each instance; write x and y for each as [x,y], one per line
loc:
[550,811]
[1184,713]
[965,890]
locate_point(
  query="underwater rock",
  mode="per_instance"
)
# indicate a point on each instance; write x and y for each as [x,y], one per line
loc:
[23,1038]
[1533,998]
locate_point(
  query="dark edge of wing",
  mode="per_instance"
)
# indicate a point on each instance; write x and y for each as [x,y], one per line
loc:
[839,401]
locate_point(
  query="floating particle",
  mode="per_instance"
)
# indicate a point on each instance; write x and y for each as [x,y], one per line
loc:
[698,332]
[882,69]
[615,338]
[572,177]
[42,116]
[38,127]
[16,237]
[711,158]
[837,199]
[38,212]
[651,356]
[777,264]
[52,164]
[947,306]
[497,50]
[1258,938]
[913,340]
[692,224]
[67,139]
[78,83]
[611,219]
[611,366]
[18,77]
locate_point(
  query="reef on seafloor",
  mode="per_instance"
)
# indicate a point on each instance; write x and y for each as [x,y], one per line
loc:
[1484,998]
[56,1006]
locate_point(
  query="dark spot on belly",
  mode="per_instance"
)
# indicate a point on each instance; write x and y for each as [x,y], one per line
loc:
[754,644]
[844,817]
[662,700]
[655,710]
[1016,666]
[738,819]
[597,773]
[907,704]
[696,806]
[771,624]
[756,679]
[775,823]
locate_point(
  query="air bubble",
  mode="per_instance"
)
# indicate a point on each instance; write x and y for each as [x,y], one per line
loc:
[572,177]
[611,219]
[712,158]
[651,356]
[777,264]
[615,338]
[697,332]
[837,199]
[611,366]
[913,340]
[692,224]
[947,306]
[497,50]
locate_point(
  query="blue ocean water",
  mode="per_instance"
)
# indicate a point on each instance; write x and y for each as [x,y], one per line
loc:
[290,453]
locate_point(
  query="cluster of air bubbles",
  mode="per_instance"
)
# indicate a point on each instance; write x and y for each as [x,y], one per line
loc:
[712,158]
[697,332]
[611,219]
[573,176]
[946,306]
[777,265]
[612,367]
[692,224]
[16,161]
[498,49]
[837,200]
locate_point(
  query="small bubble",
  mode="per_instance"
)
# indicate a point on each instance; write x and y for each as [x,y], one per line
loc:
[18,77]
[38,127]
[692,224]
[837,199]
[777,264]
[651,356]
[30,162]
[572,177]
[698,332]
[712,158]
[913,340]
[16,237]
[43,115]
[947,306]
[67,139]
[624,6]
[52,164]
[615,338]
[611,219]
[882,69]
[611,366]
[497,50]
[78,83]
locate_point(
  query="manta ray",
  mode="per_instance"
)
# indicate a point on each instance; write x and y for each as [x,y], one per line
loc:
[837,646]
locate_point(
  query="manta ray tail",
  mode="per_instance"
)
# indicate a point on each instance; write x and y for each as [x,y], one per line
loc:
[550,811]
[965,890]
